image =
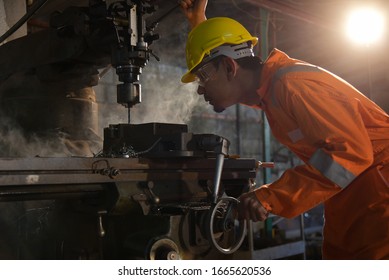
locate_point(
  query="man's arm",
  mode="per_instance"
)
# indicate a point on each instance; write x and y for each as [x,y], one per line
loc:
[194,10]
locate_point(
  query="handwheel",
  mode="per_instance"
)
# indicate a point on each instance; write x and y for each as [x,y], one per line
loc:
[224,231]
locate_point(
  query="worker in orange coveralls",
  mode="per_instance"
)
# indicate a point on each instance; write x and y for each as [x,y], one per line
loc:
[340,135]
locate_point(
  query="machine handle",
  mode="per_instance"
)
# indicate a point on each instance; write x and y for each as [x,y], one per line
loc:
[265,164]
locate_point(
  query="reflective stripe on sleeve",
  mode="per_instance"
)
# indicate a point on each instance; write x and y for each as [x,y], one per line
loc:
[296,135]
[331,169]
[294,68]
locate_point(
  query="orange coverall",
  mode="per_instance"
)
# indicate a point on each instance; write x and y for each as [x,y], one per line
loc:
[343,139]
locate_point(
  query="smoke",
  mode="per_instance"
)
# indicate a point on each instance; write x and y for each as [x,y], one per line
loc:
[15,142]
[164,98]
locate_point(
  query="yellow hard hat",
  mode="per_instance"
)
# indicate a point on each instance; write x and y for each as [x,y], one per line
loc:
[211,34]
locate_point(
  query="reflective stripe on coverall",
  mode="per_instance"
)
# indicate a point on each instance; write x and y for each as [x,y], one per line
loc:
[343,139]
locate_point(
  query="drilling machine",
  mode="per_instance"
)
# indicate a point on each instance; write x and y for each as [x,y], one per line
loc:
[154,191]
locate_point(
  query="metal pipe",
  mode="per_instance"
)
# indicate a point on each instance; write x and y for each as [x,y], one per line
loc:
[218,174]
[22,20]
[238,134]
[274,6]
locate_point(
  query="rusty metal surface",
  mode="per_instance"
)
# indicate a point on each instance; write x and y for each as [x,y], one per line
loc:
[51,207]
[37,171]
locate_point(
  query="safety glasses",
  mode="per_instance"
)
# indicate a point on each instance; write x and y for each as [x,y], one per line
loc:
[205,73]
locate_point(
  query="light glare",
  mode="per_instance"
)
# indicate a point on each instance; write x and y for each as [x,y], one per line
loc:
[365,26]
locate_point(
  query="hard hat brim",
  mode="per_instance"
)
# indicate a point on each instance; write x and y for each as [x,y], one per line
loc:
[188,77]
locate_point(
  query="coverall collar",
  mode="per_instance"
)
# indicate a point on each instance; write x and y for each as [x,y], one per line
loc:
[275,59]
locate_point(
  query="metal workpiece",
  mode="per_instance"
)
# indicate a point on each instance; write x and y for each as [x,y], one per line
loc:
[160,140]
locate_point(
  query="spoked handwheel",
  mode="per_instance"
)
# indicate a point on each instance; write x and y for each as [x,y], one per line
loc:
[224,231]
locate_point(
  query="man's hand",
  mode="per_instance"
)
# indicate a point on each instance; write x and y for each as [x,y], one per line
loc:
[194,10]
[250,208]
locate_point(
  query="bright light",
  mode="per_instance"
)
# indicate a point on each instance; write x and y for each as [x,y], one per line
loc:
[365,26]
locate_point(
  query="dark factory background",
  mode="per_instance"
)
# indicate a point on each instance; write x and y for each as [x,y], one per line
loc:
[308,30]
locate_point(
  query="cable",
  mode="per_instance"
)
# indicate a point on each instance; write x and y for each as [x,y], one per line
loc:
[244,11]
[158,20]
[23,19]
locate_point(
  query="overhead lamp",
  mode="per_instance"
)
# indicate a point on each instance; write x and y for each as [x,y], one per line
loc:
[365,25]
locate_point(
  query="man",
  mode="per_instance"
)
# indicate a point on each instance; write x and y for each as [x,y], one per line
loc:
[340,135]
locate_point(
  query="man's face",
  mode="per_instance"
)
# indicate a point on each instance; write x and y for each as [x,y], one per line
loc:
[214,85]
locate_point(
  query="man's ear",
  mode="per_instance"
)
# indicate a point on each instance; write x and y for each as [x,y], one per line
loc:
[231,67]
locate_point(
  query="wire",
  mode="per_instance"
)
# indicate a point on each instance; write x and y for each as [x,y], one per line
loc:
[23,19]
[246,12]
[158,20]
